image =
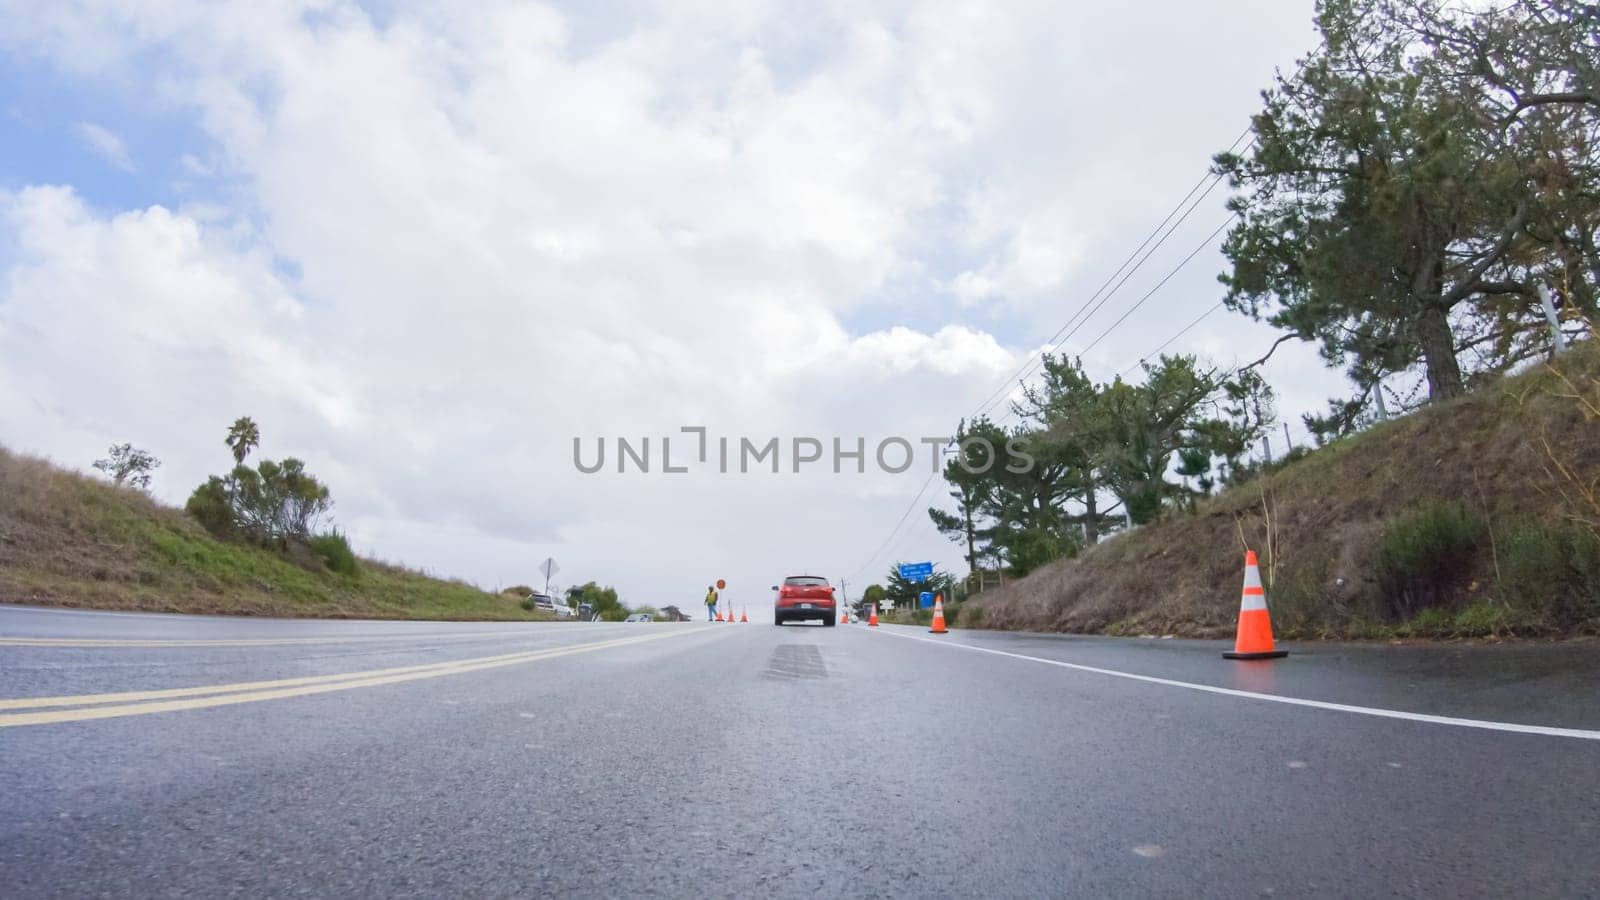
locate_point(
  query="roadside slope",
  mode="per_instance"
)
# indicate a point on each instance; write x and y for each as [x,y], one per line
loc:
[70,540]
[1470,518]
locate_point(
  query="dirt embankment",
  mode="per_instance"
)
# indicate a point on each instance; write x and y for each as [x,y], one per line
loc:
[70,540]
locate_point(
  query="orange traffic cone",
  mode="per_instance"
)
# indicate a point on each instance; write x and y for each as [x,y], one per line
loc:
[938,616]
[742,616]
[872,620]
[719,615]
[1254,640]
[844,616]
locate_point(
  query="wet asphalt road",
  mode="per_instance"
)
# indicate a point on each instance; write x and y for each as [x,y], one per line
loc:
[303,758]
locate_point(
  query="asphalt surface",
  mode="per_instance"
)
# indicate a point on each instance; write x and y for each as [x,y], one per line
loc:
[190,756]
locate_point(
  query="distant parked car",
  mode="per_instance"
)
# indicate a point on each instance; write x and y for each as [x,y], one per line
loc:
[639,617]
[563,611]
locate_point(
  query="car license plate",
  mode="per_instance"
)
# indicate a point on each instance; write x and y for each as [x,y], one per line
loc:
[805,606]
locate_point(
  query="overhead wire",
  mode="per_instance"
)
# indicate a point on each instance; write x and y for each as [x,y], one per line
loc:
[1095,302]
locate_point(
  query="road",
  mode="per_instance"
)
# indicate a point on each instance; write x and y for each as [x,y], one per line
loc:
[146,755]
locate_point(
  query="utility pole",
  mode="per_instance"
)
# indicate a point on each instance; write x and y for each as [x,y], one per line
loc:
[1377,394]
[844,588]
[1266,447]
[1288,444]
[1558,341]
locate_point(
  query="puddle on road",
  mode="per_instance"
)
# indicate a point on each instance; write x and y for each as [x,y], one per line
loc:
[796,662]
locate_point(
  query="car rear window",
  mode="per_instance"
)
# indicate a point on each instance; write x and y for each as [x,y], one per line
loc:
[805,581]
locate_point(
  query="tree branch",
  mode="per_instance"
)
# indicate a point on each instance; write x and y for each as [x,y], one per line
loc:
[1499,287]
[1465,285]
[1273,349]
[1590,98]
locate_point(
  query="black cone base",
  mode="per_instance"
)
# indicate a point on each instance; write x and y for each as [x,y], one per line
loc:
[1265,654]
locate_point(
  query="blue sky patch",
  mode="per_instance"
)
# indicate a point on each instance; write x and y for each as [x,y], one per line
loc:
[53,122]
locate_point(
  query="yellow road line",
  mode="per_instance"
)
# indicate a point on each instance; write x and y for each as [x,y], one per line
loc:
[235,687]
[244,642]
[250,692]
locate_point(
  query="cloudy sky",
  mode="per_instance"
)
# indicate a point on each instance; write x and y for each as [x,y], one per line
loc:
[428,246]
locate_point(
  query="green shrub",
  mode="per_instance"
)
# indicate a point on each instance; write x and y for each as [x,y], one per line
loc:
[1486,618]
[334,551]
[272,504]
[1361,629]
[210,507]
[1553,569]
[1427,623]
[1425,554]
[1299,596]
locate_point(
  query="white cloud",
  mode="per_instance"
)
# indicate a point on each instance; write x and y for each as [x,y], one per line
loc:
[106,144]
[972,287]
[193,165]
[513,227]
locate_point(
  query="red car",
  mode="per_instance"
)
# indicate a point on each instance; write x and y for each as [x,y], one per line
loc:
[805,597]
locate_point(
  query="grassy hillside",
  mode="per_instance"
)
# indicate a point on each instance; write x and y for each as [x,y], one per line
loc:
[1474,517]
[69,540]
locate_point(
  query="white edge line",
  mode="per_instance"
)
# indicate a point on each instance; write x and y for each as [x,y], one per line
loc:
[1546,730]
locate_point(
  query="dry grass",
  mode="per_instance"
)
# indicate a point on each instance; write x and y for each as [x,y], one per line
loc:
[1322,519]
[71,540]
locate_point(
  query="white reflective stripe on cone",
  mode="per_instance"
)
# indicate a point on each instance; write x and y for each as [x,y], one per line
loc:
[1249,601]
[1252,577]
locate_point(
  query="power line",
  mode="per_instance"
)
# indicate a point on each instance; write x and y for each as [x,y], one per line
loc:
[915,532]
[1150,293]
[893,531]
[1022,372]
[924,489]
[1181,332]
[1216,179]
[1205,189]
[1062,338]
[1175,269]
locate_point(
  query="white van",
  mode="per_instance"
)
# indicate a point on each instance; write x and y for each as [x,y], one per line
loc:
[551,604]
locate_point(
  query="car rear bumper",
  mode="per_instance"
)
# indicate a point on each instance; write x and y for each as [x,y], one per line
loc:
[796,613]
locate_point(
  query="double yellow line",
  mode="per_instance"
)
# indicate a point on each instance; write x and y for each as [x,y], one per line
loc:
[239,642]
[84,707]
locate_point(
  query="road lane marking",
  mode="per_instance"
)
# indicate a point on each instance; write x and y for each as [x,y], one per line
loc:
[1484,724]
[250,692]
[235,687]
[248,642]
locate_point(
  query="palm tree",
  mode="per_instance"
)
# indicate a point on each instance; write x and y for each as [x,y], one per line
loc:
[243,437]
